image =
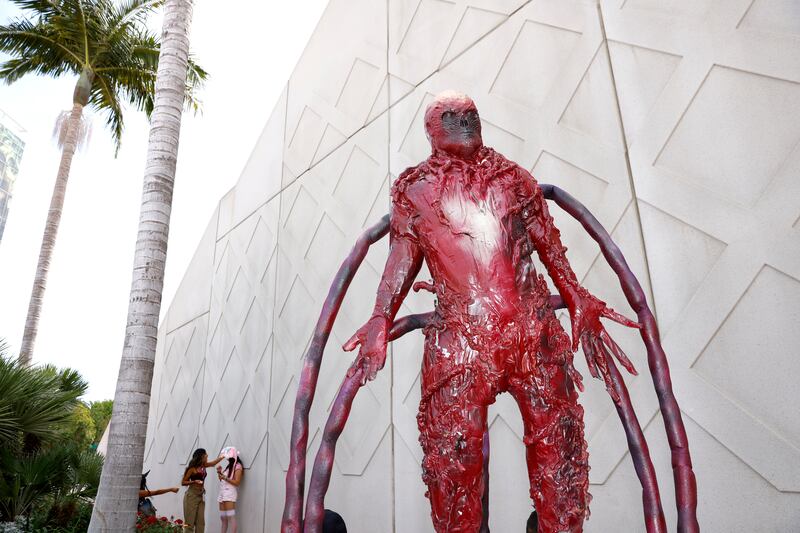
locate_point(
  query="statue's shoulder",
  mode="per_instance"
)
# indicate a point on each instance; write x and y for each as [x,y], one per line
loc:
[498,164]
[406,179]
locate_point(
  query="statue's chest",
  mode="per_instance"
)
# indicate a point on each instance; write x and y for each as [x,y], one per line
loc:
[476,220]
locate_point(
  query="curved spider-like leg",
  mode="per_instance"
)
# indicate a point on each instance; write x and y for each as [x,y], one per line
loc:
[323,465]
[340,411]
[685,482]
[485,496]
[295,477]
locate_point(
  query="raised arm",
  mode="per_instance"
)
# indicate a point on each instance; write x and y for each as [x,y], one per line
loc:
[214,462]
[584,308]
[402,266]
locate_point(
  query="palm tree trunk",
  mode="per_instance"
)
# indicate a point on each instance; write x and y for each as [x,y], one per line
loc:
[50,232]
[115,506]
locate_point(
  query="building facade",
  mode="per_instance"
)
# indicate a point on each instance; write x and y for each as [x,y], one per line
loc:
[676,122]
[11,148]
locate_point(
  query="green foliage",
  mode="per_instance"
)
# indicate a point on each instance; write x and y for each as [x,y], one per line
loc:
[36,403]
[47,471]
[80,428]
[105,42]
[101,414]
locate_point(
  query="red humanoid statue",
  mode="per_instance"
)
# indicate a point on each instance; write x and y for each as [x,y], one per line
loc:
[475,217]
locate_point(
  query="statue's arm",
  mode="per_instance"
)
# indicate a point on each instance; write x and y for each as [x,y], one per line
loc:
[546,239]
[585,309]
[402,266]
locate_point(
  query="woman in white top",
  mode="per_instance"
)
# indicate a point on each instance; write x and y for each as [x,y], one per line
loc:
[229,479]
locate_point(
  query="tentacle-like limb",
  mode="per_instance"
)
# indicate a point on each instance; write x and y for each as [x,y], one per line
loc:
[340,412]
[485,496]
[295,476]
[640,453]
[685,482]
[323,465]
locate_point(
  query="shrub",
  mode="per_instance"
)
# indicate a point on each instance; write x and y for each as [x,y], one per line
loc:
[154,524]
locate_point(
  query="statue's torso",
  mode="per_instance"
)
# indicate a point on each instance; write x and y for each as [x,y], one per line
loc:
[475,242]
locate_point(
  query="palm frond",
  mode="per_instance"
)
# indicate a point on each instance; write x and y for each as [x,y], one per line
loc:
[18,67]
[105,40]
[42,8]
[130,13]
[105,99]
[21,38]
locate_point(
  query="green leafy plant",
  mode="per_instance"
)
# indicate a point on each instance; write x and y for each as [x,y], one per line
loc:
[48,474]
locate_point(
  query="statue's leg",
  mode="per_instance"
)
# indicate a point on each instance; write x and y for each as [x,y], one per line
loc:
[451,420]
[558,462]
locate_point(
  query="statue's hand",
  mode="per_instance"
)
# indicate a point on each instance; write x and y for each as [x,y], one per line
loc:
[372,337]
[598,346]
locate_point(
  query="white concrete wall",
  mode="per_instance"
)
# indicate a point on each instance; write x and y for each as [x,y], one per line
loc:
[677,122]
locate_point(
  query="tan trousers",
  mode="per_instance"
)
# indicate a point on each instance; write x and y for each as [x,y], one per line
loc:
[194,509]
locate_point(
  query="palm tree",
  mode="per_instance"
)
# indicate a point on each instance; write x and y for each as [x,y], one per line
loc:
[115,506]
[108,46]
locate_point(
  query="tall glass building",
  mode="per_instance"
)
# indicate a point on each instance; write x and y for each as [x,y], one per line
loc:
[11,147]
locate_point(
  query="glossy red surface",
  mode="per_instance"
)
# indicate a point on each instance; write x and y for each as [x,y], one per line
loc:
[475,218]
[482,339]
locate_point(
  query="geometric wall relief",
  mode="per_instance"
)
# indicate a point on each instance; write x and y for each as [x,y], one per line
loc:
[713,147]
[348,52]
[601,122]
[192,297]
[260,179]
[641,74]
[426,34]
[731,495]
[322,213]
[474,24]
[534,62]
[721,251]
[755,350]
[713,143]
[239,353]
[175,407]
[773,15]
[688,8]
[679,263]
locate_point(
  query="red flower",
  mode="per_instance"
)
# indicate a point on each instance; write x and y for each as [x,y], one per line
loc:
[151,519]
[179,521]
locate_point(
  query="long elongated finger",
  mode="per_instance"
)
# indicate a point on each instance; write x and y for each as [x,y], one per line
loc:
[618,353]
[604,361]
[620,319]
[575,376]
[575,332]
[600,357]
[351,344]
[588,352]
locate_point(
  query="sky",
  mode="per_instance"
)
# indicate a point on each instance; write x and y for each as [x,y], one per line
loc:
[249,48]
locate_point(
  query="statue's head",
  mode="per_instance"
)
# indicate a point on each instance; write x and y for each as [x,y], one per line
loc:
[453,125]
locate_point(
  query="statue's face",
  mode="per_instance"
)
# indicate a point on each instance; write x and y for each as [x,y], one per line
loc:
[453,125]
